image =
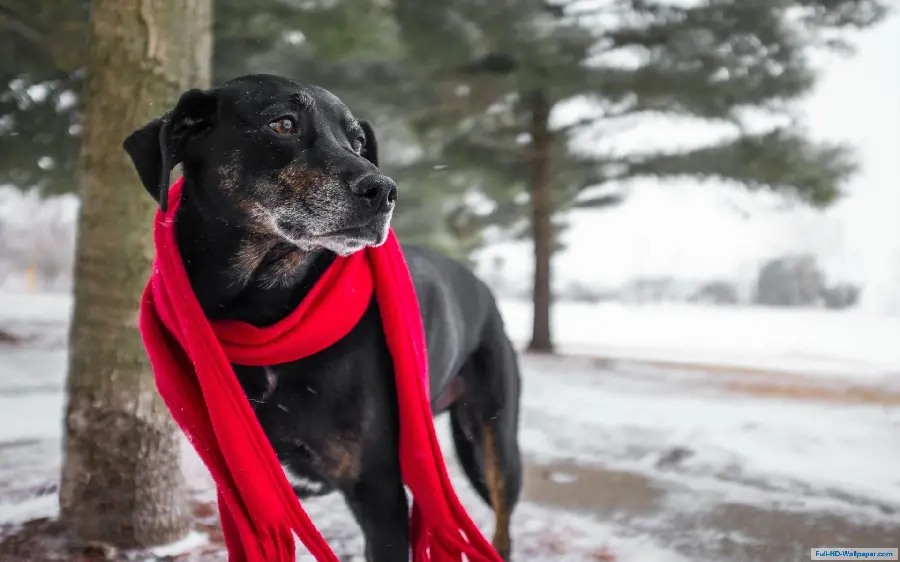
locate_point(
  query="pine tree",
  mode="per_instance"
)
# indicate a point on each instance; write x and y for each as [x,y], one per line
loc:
[122,482]
[501,69]
[41,59]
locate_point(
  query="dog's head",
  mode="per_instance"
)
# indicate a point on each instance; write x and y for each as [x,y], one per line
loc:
[289,161]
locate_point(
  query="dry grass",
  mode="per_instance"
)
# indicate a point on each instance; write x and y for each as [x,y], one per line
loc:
[822,394]
[769,383]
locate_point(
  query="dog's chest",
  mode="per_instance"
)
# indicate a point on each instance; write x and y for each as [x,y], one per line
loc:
[306,470]
[318,413]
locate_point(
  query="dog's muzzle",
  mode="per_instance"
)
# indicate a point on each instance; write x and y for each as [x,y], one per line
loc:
[377,192]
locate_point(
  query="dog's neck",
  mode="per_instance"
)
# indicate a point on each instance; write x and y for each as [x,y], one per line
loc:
[239,274]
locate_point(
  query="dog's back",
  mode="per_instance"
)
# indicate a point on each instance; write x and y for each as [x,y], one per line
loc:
[457,307]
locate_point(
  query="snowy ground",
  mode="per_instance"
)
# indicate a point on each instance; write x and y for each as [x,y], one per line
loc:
[818,342]
[672,433]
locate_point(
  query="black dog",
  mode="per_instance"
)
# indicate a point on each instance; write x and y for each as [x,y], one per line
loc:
[279,178]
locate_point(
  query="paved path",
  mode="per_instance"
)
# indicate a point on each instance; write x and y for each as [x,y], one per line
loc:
[732,532]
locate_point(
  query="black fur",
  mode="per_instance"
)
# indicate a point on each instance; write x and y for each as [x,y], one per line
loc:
[263,213]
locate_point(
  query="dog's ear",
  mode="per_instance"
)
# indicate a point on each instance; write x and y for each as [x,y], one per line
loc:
[370,151]
[159,146]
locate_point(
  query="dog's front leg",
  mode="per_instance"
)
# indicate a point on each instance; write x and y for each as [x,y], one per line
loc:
[378,501]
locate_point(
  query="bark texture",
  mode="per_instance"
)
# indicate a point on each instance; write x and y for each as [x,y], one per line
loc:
[121,481]
[541,222]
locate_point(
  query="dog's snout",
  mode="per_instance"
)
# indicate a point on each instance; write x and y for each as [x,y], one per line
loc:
[379,190]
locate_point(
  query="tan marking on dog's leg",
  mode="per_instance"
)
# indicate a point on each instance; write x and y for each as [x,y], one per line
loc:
[496,485]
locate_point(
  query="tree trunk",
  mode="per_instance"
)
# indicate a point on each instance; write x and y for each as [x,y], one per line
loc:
[541,222]
[121,480]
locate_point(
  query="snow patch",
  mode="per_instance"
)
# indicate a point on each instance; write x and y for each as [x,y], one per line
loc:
[32,508]
[192,541]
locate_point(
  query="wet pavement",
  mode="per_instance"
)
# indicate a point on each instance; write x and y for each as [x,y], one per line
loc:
[733,532]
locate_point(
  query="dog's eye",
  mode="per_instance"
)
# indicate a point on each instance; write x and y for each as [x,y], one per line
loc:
[358,144]
[283,125]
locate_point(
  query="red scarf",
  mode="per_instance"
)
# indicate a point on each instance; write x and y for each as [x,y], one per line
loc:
[192,360]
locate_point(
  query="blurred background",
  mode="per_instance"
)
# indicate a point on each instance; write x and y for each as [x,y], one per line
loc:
[686,208]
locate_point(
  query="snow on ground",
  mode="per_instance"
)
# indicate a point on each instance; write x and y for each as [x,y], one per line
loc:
[812,454]
[35,308]
[192,541]
[822,342]
[646,462]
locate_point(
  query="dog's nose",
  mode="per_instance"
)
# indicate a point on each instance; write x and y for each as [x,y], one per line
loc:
[379,190]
